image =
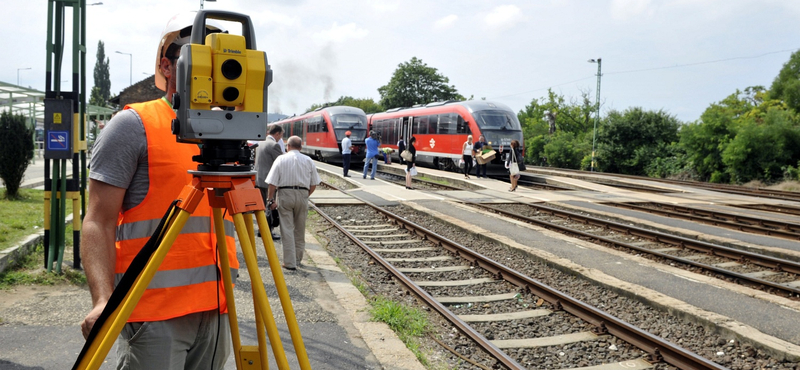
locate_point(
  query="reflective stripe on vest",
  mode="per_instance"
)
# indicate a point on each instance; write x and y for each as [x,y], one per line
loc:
[144,229]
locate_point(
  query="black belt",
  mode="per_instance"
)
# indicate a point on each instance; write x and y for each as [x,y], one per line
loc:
[294,187]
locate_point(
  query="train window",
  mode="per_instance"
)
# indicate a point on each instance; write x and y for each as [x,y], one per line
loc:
[496,119]
[447,124]
[349,121]
[297,129]
[462,125]
[433,123]
[421,125]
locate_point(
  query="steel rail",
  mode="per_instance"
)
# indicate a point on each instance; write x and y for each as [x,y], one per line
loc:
[774,208]
[776,264]
[425,297]
[724,188]
[781,229]
[658,348]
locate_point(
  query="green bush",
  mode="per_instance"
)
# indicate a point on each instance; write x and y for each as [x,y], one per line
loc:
[16,150]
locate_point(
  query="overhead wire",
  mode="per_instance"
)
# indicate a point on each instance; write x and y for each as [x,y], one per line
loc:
[652,69]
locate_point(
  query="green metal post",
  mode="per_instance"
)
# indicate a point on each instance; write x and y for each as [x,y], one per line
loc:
[54,227]
[62,242]
[76,239]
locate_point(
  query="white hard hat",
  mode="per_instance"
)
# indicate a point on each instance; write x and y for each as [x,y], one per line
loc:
[178,31]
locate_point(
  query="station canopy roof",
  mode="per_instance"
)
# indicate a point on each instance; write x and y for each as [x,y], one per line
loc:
[27,102]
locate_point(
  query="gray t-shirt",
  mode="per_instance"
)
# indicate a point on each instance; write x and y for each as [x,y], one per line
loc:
[119,157]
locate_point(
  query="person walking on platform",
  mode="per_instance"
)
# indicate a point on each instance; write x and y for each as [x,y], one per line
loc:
[515,157]
[138,170]
[266,154]
[476,151]
[401,146]
[371,155]
[412,163]
[466,150]
[293,179]
[347,152]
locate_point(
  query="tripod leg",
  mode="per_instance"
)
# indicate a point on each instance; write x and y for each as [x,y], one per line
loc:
[260,295]
[112,327]
[225,267]
[260,334]
[283,293]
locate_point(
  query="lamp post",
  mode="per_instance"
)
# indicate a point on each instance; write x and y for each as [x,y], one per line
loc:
[597,117]
[21,69]
[130,81]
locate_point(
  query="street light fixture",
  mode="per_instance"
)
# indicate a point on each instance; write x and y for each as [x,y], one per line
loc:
[21,69]
[130,81]
[597,117]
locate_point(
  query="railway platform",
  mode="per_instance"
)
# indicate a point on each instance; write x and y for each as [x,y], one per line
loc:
[40,325]
[768,321]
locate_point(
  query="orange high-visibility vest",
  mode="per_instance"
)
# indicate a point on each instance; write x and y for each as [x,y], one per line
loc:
[186,282]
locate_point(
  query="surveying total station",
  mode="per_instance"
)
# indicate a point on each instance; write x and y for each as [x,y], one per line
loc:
[220,103]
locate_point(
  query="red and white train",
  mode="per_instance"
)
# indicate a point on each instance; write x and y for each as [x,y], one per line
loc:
[441,129]
[323,129]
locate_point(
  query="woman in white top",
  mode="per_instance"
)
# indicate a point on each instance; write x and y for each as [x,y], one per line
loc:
[466,150]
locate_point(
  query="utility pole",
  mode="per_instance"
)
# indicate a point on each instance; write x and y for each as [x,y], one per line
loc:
[597,117]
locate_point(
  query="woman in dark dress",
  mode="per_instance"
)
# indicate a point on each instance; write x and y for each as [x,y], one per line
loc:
[411,164]
[514,157]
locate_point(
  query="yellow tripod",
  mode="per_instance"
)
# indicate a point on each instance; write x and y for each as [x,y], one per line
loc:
[235,192]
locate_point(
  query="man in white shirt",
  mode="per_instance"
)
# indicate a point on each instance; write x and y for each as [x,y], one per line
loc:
[347,150]
[293,178]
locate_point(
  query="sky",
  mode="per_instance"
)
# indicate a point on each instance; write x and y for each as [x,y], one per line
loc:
[679,56]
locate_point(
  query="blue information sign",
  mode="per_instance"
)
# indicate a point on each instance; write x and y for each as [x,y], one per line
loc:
[58,140]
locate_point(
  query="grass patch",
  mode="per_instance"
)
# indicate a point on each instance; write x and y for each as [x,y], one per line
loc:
[23,217]
[20,218]
[28,271]
[409,323]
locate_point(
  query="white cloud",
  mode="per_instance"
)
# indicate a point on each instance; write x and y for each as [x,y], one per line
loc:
[626,9]
[339,33]
[504,16]
[269,18]
[446,22]
[384,6]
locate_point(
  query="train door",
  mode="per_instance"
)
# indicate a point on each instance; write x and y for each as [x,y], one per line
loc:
[405,130]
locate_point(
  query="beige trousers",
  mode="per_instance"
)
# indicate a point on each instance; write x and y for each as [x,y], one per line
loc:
[293,210]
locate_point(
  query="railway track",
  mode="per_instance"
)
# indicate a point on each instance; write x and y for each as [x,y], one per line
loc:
[775,275]
[724,188]
[781,229]
[445,275]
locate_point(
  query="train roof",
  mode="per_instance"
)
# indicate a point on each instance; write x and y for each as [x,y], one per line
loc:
[338,109]
[471,105]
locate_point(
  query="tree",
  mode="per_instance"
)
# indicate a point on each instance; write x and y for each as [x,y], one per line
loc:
[630,140]
[367,104]
[16,151]
[762,147]
[102,80]
[413,82]
[549,115]
[704,140]
[786,86]
[564,151]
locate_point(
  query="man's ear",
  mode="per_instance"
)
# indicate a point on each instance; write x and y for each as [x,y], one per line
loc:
[165,65]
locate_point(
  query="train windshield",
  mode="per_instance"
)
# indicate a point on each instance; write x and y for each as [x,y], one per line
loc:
[349,121]
[496,120]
